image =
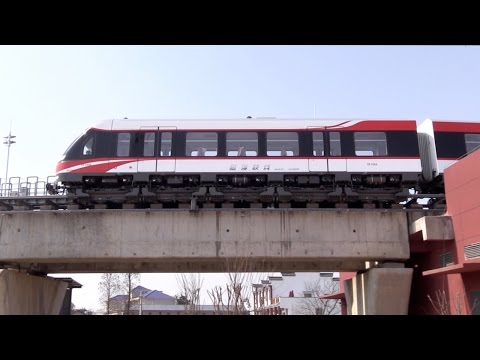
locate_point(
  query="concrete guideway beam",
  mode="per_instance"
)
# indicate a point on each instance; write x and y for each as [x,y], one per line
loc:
[201,241]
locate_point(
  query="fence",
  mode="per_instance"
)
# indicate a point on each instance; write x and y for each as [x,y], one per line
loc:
[31,186]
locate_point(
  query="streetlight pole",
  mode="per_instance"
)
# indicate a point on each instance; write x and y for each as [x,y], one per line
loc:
[8,141]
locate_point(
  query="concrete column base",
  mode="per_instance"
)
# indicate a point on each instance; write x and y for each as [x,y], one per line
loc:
[23,294]
[379,291]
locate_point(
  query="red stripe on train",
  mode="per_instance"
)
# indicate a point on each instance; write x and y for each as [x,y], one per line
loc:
[378,125]
[62,165]
[101,168]
[446,126]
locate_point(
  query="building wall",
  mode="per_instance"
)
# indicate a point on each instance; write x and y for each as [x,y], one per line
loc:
[451,289]
[462,184]
[147,301]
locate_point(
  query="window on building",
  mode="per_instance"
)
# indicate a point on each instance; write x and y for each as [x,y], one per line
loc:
[475,302]
[446,259]
[472,141]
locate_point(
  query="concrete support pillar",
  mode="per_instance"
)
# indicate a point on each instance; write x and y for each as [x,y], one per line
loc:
[23,294]
[379,291]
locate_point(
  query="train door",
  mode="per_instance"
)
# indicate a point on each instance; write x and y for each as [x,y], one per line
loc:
[157,150]
[317,161]
[336,161]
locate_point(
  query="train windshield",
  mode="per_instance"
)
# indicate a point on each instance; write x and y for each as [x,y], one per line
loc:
[74,142]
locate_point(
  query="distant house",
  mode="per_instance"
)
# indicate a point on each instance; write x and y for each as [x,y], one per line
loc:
[296,294]
[154,302]
[117,304]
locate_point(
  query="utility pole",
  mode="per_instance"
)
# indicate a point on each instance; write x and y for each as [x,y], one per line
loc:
[8,141]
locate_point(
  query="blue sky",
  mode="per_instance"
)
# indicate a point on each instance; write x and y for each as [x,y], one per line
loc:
[52,93]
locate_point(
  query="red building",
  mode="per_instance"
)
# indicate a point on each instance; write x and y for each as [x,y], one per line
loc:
[446,273]
[446,277]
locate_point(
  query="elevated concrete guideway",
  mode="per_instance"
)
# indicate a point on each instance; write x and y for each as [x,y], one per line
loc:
[210,240]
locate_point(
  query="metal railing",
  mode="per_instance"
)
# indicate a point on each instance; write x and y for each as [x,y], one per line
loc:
[29,186]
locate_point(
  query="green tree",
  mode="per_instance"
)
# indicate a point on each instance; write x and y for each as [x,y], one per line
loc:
[181,300]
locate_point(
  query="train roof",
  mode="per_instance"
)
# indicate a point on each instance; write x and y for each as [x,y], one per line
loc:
[464,126]
[258,124]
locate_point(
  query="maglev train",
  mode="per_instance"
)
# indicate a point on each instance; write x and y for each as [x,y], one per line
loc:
[265,161]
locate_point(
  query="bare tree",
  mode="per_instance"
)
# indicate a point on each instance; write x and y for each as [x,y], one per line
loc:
[441,304]
[216,295]
[128,281]
[109,286]
[234,298]
[190,287]
[313,304]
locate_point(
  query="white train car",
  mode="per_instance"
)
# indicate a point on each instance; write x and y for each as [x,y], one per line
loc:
[244,160]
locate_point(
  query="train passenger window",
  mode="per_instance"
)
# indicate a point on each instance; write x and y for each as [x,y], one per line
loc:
[370,143]
[242,144]
[201,144]
[282,143]
[318,148]
[241,152]
[123,144]
[149,144]
[335,144]
[166,144]
[472,141]
[87,148]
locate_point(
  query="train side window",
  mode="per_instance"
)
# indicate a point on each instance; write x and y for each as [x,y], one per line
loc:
[242,144]
[166,144]
[370,143]
[149,144]
[87,148]
[123,144]
[201,144]
[282,143]
[335,144]
[472,142]
[318,147]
